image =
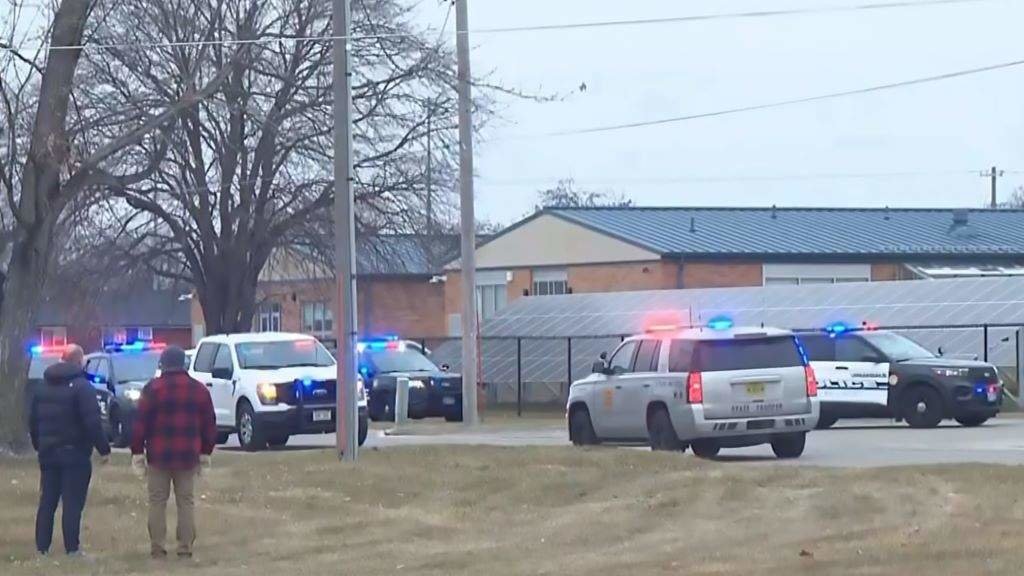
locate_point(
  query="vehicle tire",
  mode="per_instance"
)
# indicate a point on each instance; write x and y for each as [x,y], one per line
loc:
[661,434]
[278,441]
[382,407]
[453,417]
[825,422]
[789,445]
[972,421]
[705,448]
[581,429]
[364,428]
[251,436]
[223,437]
[922,407]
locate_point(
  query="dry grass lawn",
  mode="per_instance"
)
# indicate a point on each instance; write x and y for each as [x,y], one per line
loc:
[492,511]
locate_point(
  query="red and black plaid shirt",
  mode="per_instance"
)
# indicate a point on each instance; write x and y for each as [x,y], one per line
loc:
[175,422]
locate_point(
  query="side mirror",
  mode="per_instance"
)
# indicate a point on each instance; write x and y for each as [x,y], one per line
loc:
[445,368]
[222,373]
[603,356]
[598,367]
[941,351]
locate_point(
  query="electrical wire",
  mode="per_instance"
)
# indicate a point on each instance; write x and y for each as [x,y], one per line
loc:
[728,179]
[514,29]
[776,104]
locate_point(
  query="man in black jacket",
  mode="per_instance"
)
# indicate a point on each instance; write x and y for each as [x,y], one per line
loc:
[64,422]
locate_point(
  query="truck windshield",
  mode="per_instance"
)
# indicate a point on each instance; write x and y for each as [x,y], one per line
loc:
[896,347]
[135,366]
[282,354]
[407,360]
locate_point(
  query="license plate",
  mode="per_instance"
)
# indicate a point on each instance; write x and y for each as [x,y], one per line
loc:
[756,389]
[993,393]
[448,401]
[322,416]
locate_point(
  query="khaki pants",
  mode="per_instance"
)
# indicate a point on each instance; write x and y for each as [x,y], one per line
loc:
[159,484]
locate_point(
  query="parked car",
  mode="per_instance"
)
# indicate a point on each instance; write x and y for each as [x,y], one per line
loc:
[433,391]
[864,373]
[42,358]
[268,386]
[706,388]
[123,370]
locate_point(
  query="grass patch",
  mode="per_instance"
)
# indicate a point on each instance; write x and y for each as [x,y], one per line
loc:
[512,511]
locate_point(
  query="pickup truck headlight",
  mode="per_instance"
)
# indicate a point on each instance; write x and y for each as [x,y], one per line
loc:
[951,372]
[133,395]
[267,393]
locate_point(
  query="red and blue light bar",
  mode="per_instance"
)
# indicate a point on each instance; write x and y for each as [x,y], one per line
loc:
[137,346]
[380,344]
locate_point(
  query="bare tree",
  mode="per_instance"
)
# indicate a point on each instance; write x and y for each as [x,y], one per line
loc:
[566,195]
[54,152]
[249,169]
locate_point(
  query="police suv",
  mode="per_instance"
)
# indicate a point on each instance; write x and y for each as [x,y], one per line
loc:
[707,388]
[123,370]
[866,373]
[433,391]
[269,386]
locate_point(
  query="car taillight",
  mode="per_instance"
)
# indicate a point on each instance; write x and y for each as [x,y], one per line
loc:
[695,388]
[812,382]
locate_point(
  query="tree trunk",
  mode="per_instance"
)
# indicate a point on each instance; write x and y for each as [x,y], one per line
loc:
[22,296]
[229,302]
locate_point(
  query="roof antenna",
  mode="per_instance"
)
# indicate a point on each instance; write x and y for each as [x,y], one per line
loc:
[775,216]
[693,224]
[886,212]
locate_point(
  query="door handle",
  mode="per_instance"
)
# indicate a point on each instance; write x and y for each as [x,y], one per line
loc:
[209,384]
[647,385]
[842,367]
[618,386]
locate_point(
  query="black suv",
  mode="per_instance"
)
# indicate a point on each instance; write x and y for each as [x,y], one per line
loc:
[122,371]
[876,373]
[433,391]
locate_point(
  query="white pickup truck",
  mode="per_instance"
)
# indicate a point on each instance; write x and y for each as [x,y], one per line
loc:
[268,386]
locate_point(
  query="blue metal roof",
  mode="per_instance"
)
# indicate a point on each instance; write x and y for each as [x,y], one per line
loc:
[850,232]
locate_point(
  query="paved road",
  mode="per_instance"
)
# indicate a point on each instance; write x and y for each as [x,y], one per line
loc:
[854,443]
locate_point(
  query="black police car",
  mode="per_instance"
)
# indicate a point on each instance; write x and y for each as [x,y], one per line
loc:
[42,358]
[433,392]
[123,370]
[865,373]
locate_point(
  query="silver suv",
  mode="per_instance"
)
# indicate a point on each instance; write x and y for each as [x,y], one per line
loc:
[707,388]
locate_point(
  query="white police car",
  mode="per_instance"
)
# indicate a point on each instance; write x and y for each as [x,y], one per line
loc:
[268,386]
[709,388]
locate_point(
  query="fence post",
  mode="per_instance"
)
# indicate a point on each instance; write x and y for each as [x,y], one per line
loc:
[568,356]
[985,342]
[519,376]
[401,403]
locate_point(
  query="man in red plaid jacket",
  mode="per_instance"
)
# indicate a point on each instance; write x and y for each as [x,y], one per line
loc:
[176,427]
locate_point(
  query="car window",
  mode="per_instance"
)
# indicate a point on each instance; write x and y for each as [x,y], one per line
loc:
[680,355]
[40,364]
[647,356]
[853,349]
[135,366]
[223,359]
[282,354]
[404,360]
[622,360]
[91,366]
[98,369]
[819,347]
[204,357]
[746,354]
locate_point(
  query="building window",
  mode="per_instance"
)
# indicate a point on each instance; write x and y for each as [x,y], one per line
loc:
[550,282]
[808,274]
[317,318]
[115,335]
[53,336]
[144,333]
[490,298]
[268,317]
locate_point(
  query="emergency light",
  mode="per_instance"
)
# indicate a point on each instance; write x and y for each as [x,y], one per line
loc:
[720,323]
[379,344]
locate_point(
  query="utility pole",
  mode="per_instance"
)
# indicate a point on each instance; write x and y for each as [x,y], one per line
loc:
[994,174]
[346,413]
[430,169]
[469,318]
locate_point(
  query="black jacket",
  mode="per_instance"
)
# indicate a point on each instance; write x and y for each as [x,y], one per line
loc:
[64,419]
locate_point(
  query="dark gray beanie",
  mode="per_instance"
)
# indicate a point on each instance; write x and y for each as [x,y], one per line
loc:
[172,360]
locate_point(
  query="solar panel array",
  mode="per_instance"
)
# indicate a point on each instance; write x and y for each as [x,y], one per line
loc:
[946,313]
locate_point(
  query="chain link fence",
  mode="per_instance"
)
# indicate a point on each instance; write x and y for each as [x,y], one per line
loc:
[535,372]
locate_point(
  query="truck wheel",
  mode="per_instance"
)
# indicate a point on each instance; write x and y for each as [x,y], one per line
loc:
[278,441]
[581,430]
[705,448]
[364,428]
[661,433]
[922,407]
[117,430]
[972,421]
[825,422]
[251,436]
[789,445]
[382,407]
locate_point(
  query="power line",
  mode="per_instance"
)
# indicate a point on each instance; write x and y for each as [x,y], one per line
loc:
[727,179]
[780,103]
[512,29]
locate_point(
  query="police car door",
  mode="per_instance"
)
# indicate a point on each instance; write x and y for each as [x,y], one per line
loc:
[608,395]
[631,414]
[865,369]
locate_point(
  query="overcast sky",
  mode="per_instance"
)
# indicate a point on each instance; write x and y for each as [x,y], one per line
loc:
[948,130]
